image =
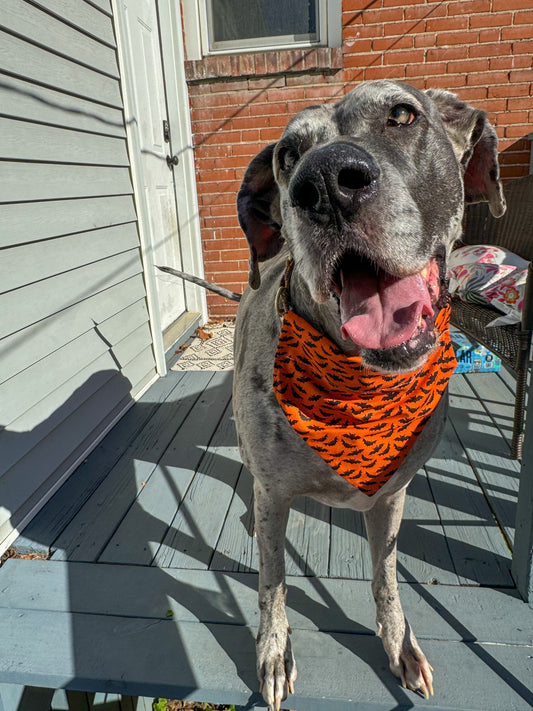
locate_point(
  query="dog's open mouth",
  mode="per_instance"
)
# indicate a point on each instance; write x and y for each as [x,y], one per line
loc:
[380,311]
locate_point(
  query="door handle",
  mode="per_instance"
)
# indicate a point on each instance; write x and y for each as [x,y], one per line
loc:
[172,161]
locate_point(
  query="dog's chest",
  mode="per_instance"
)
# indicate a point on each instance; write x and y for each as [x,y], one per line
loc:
[361,423]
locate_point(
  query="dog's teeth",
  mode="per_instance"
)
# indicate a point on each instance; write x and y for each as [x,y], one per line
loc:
[424,272]
[342,279]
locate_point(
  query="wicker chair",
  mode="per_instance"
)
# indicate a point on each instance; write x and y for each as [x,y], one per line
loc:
[514,231]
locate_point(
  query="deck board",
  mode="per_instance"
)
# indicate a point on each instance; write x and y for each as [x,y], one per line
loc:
[236,548]
[165,491]
[89,531]
[487,452]
[153,548]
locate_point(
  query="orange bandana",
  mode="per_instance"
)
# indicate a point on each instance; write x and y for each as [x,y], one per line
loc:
[361,422]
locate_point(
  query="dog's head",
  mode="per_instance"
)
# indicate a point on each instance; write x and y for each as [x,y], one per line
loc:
[369,195]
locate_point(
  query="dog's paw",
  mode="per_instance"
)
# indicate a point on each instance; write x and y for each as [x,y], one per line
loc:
[408,662]
[276,669]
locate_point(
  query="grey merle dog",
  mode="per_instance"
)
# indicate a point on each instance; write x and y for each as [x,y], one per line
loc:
[361,194]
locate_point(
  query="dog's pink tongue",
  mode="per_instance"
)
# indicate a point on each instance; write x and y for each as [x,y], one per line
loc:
[382,311]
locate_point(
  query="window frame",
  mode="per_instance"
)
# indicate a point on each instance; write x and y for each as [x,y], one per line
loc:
[196,26]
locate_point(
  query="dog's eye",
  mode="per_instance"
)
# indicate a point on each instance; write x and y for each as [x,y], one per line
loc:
[288,158]
[402,115]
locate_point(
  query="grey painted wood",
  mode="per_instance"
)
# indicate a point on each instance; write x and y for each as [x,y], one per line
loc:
[43,220]
[216,663]
[349,551]
[189,492]
[477,547]
[38,261]
[523,548]
[492,391]
[89,531]
[18,141]
[31,102]
[39,27]
[236,548]
[122,441]
[307,540]
[423,554]
[38,65]
[441,612]
[36,301]
[487,452]
[82,16]
[57,330]
[43,181]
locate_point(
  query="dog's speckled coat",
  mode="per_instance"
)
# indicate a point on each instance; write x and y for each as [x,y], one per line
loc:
[400,208]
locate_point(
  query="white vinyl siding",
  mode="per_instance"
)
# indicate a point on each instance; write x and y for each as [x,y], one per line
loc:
[75,342]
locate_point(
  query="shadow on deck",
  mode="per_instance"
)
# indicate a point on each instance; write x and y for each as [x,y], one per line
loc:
[148,586]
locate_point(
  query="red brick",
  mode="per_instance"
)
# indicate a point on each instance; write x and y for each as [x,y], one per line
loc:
[381,16]
[517,32]
[441,24]
[447,81]
[519,75]
[487,78]
[440,54]
[512,118]
[388,72]
[491,35]
[392,43]
[523,18]
[502,5]
[398,3]
[491,20]
[421,70]
[525,47]
[490,50]
[268,108]
[473,93]
[404,57]
[511,157]
[270,134]
[424,10]
[362,60]
[523,103]
[468,65]
[425,40]
[468,7]
[251,134]
[401,29]
[453,38]
[509,90]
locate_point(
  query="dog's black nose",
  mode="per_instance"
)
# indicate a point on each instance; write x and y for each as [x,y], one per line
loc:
[336,176]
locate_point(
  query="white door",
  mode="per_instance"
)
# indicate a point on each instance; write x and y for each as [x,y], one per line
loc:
[155,135]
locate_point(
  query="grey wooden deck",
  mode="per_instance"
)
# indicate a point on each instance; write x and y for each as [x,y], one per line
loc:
[149,584]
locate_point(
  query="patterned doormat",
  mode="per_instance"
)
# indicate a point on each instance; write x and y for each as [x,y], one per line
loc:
[211,348]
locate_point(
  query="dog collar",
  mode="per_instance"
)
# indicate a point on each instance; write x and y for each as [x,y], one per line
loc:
[361,422]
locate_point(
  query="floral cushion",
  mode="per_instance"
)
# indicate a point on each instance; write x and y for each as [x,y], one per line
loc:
[486,274]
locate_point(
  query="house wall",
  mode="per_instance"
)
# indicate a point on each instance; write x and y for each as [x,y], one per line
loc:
[75,342]
[480,49]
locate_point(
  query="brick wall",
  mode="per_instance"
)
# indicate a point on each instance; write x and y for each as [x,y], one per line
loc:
[480,49]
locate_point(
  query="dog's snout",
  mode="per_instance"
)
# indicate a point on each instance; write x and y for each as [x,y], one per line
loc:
[334,177]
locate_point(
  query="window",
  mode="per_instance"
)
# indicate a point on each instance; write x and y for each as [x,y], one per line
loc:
[228,26]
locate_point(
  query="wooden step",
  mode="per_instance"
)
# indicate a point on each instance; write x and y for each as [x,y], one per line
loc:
[141,631]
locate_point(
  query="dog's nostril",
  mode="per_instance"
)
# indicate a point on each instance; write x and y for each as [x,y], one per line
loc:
[354,179]
[306,195]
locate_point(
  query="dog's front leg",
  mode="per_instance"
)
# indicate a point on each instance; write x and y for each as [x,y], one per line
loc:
[405,656]
[275,663]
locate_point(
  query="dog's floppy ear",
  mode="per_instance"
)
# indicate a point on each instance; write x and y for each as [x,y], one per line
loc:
[258,211]
[475,144]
